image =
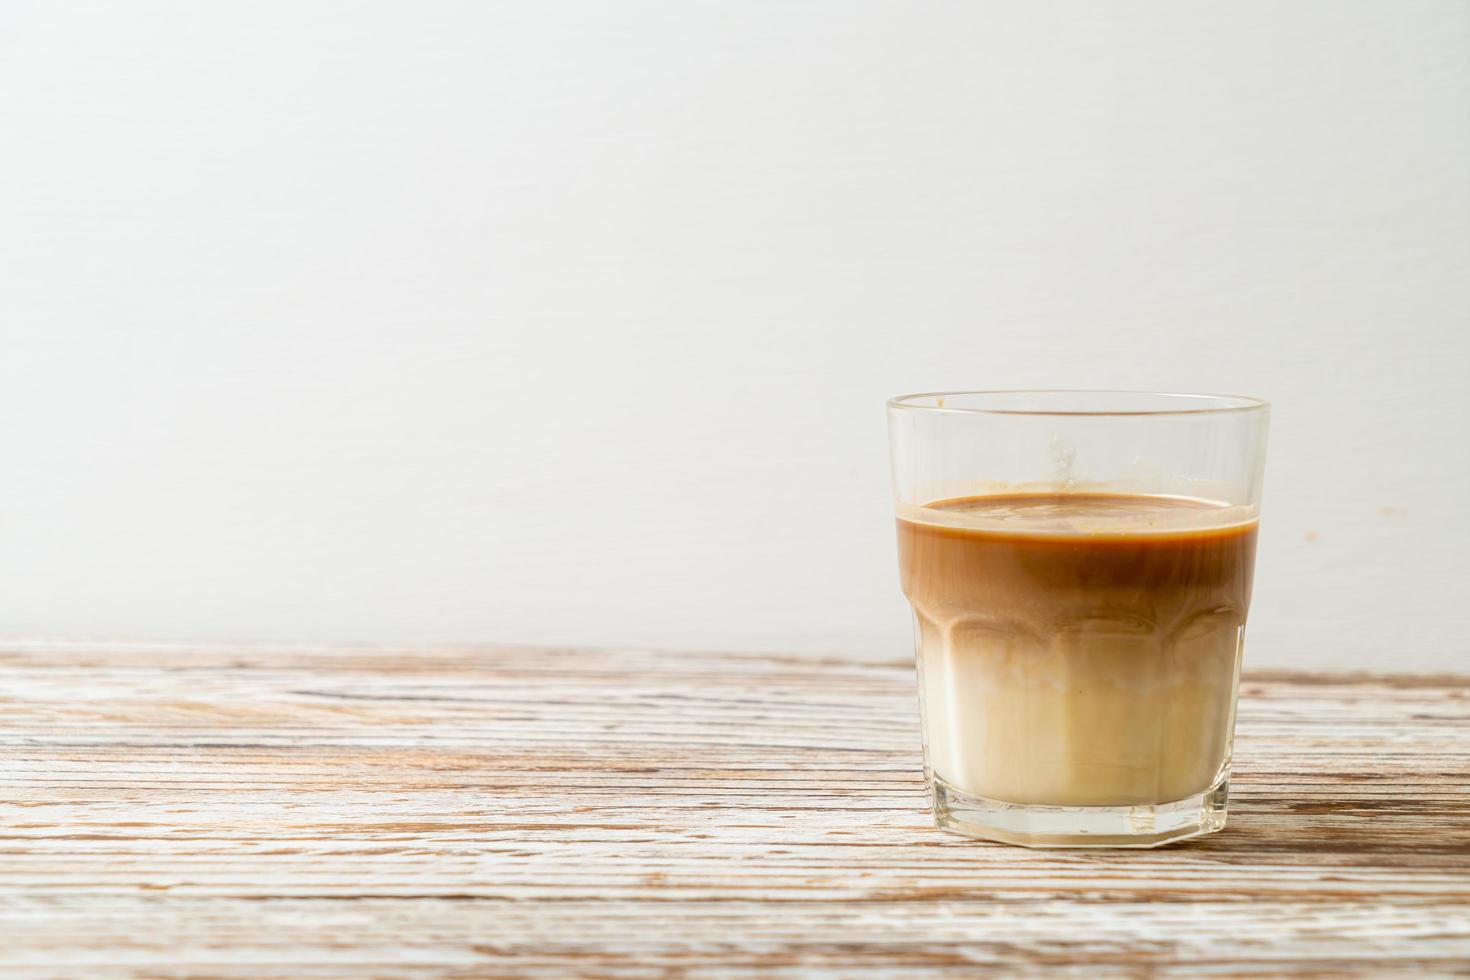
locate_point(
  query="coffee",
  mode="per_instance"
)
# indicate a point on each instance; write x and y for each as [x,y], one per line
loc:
[1078,649]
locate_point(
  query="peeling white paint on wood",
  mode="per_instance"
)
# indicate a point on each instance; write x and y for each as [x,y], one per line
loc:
[464,812]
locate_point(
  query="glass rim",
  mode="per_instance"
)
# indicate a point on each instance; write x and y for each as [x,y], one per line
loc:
[1205,404]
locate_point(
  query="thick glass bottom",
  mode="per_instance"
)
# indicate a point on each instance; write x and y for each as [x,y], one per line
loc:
[1033,825]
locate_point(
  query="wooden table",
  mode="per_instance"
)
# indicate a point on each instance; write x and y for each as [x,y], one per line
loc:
[500,812]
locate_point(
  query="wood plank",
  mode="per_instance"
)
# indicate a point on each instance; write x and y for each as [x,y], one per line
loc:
[296,812]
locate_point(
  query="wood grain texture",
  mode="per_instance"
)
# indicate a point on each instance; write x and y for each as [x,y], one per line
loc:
[517,812]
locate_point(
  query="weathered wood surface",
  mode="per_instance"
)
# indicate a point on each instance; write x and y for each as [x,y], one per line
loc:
[503,812]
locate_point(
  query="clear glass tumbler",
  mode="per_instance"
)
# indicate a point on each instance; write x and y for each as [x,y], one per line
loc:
[1079,565]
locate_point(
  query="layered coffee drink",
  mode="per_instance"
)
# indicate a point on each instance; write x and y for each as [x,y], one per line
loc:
[1078,649]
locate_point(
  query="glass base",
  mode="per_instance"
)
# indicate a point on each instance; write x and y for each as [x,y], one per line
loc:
[1034,825]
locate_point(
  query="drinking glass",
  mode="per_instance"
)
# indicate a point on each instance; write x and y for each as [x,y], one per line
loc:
[1079,565]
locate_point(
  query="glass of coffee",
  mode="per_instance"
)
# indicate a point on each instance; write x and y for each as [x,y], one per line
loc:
[1079,565]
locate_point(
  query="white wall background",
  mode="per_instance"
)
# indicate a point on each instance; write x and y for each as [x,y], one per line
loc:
[571,322]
